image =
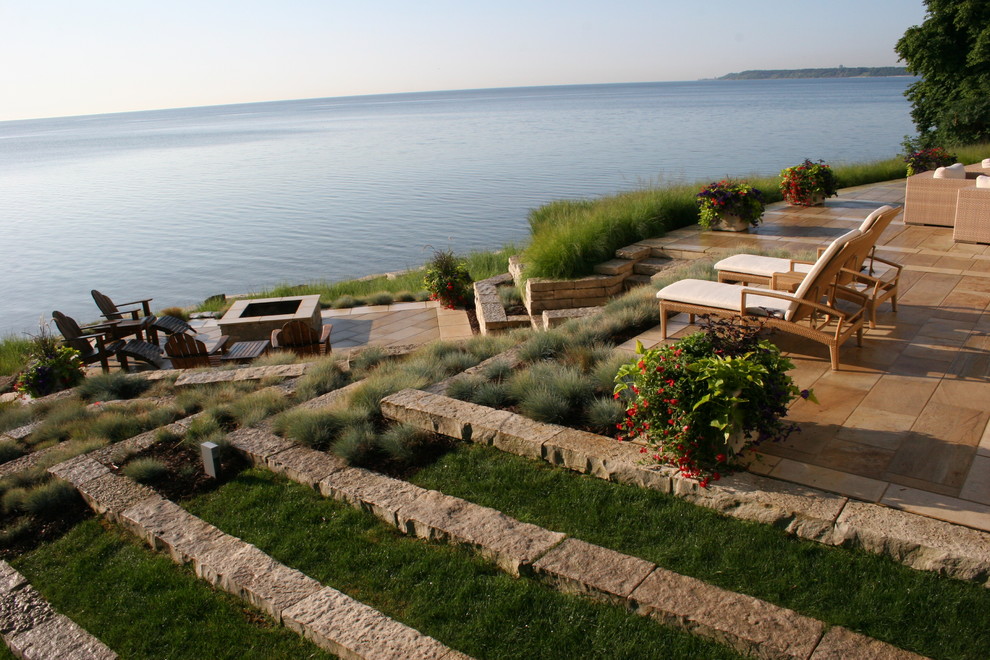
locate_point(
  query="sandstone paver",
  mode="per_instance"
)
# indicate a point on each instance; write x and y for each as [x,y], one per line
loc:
[577,566]
[842,644]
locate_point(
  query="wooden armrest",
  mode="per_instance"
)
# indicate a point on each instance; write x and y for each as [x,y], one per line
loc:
[324,334]
[790,298]
[892,264]
[221,345]
[144,305]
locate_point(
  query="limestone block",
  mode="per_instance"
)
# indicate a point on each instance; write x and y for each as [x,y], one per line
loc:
[578,450]
[22,432]
[22,608]
[254,576]
[78,470]
[806,512]
[636,251]
[304,465]
[110,494]
[522,436]
[579,567]
[119,452]
[10,580]
[443,415]
[510,543]
[373,492]
[166,526]
[918,541]
[615,267]
[58,637]
[258,444]
[745,623]
[841,644]
[352,630]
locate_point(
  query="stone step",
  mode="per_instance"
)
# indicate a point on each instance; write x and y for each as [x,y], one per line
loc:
[652,265]
[674,253]
[32,629]
[636,251]
[615,267]
[636,280]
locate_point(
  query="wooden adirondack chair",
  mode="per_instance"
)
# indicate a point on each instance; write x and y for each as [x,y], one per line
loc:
[132,318]
[187,352]
[96,344]
[298,337]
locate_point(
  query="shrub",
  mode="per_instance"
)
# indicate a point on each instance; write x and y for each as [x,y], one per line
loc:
[112,386]
[928,159]
[405,296]
[543,346]
[50,500]
[369,358]
[400,442]
[381,298]
[256,406]
[493,395]
[13,499]
[497,371]
[114,426]
[357,445]
[464,389]
[324,375]
[177,312]
[9,450]
[447,279]
[316,428]
[710,397]
[51,368]
[145,470]
[344,302]
[544,404]
[604,414]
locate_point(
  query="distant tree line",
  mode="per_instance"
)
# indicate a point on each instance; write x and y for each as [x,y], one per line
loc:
[838,72]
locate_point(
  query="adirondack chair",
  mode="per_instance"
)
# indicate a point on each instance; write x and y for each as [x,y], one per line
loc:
[812,311]
[96,344]
[301,339]
[149,323]
[187,352]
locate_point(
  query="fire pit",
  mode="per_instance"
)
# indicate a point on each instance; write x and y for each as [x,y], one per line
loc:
[252,319]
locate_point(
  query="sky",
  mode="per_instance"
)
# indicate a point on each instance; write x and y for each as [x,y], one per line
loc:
[72,57]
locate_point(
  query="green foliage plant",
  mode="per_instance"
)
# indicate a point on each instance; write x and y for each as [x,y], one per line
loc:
[702,402]
[949,53]
[145,470]
[928,159]
[802,183]
[448,280]
[52,367]
[112,386]
[727,197]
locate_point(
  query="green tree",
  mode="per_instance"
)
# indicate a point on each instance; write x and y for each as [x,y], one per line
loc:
[950,51]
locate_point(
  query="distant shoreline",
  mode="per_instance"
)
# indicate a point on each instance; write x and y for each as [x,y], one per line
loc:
[839,72]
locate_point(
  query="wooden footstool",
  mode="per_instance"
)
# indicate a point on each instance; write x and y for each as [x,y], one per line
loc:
[245,351]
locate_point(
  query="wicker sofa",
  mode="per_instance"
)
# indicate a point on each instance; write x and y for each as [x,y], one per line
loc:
[931,201]
[972,221]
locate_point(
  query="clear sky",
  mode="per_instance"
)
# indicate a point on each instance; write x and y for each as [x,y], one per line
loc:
[72,57]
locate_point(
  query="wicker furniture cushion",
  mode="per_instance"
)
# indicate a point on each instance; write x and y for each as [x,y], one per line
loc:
[986,163]
[954,171]
[983,181]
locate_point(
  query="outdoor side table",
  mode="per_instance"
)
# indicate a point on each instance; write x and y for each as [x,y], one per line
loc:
[245,351]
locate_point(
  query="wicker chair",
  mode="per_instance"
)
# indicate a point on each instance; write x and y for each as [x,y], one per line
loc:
[931,201]
[809,312]
[298,337]
[972,224]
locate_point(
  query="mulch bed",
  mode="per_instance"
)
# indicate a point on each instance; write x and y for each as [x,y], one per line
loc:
[185,476]
[42,530]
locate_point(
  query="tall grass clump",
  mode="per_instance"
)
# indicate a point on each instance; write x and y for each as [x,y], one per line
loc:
[14,353]
[569,238]
[257,406]
[324,375]
[111,387]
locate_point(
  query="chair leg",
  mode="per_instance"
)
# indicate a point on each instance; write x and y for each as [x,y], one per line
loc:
[833,354]
[663,322]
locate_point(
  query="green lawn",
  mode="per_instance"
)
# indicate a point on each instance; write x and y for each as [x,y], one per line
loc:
[916,610]
[441,590]
[142,605]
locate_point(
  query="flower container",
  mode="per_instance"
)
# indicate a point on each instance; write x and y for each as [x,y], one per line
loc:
[730,222]
[729,206]
[808,184]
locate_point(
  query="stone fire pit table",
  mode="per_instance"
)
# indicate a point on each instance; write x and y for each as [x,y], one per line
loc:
[252,319]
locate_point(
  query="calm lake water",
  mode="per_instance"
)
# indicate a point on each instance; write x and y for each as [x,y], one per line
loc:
[182,204]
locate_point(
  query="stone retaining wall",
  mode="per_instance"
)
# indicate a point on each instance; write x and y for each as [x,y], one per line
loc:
[920,542]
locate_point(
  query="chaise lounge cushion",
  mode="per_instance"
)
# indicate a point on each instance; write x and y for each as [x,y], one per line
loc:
[954,171]
[754,264]
[723,296]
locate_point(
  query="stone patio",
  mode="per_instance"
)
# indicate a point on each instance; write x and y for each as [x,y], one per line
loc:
[904,422]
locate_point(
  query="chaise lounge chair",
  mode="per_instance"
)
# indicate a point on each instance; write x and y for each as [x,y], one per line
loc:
[148,323]
[186,352]
[300,338]
[103,345]
[809,312]
[786,274]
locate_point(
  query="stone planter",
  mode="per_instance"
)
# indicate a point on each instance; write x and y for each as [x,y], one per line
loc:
[730,222]
[818,199]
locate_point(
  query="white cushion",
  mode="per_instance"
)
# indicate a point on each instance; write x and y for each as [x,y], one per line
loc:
[826,256]
[871,218]
[753,264]
[721,296]
[986,163]
[954,171]
[983,181]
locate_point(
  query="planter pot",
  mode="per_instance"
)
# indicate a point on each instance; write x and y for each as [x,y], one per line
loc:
[730,222]
[817,199]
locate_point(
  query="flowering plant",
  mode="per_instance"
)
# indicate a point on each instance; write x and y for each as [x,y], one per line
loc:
[447,279]
[730,198]
[52,367]
[801,183]
[928,159]
[708,399]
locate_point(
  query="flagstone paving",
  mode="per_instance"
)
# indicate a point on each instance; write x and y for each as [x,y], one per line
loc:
[904,422]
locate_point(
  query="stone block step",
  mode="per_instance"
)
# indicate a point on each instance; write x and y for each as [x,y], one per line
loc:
[636,251]
[636,280]
[652,266]
[674,253]
[615,267]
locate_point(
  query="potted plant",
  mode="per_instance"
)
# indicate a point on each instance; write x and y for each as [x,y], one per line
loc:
[928,159]
[52,368]
[730,206]
[703,402]
[447,279]
[808,184]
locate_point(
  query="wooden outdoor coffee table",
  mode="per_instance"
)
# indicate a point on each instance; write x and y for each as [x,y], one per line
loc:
[245,351]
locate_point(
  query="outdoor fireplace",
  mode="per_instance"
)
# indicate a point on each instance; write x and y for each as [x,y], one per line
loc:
[252,319]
